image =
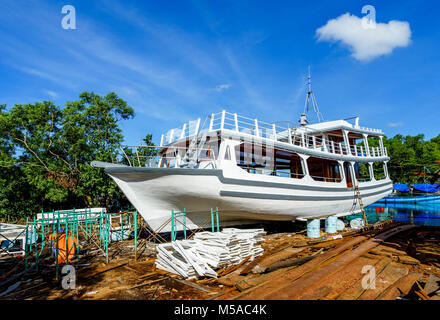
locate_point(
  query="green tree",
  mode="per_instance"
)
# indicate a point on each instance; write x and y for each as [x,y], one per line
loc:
[46,151]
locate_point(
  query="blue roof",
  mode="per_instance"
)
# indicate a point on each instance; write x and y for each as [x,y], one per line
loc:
[401,187]
[424,187]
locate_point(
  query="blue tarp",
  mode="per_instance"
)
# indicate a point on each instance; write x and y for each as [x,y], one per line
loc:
[426,187]
[401,187]
[418,187]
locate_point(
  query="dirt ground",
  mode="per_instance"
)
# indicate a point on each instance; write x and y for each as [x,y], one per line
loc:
[409,255]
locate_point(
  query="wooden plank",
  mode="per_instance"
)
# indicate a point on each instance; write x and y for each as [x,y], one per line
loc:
[294,289]
[289,263]
[356,289]
[246,270]
[422,293]
[147,275]
[286,278]
[432,284]
[401,287]
[386,278]
[249,283]
[408,260]
[339,282]
[234,267]
[226,282]
[194,285]
[379,252]
[220,294]
[392,250]
[274,258]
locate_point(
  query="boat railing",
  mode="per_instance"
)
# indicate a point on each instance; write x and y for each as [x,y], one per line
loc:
[301,136]
[371,129]
[289,174]
[270,172]
[326,179]
[170,157]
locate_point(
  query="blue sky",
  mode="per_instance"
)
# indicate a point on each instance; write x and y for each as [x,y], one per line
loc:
[175,61]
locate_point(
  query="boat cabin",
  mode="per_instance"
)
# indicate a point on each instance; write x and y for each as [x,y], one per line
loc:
[331,152]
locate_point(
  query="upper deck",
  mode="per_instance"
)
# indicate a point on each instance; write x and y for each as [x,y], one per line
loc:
[332,138]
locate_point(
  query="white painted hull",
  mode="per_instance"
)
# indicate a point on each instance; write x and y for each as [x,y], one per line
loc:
[241,197]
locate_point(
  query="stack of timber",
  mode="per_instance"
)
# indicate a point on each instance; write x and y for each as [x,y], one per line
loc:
[209,251]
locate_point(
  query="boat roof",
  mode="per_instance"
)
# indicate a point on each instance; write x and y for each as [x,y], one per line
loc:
[327,126]
[232,121]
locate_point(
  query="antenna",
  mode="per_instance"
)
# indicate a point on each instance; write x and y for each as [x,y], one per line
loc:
[310,99]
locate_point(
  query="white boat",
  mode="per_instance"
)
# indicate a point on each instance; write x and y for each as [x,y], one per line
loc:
[254,171]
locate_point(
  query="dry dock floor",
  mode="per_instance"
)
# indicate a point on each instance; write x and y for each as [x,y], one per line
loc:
[403,261]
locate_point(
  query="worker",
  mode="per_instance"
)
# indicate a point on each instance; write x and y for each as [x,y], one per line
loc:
[303,119]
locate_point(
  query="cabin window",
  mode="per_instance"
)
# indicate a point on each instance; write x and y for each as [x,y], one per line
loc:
[347,173]
[288,164]
[252,159]
[379,170]
[209,150]
[266,160]
[362,172]
[324,169]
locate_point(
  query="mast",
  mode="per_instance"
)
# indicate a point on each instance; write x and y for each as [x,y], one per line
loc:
[311,101]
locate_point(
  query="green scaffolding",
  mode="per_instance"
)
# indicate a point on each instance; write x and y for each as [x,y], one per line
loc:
[174,216]
[216,220]
[98,228]
[215,223]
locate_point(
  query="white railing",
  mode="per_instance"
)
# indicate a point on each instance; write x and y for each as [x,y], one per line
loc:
[371,129]
[171,157]
[296,135]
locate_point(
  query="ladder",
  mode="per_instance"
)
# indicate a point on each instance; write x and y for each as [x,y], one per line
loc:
[361,204]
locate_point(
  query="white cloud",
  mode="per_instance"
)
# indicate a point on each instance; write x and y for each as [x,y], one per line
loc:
[366,43]
[395,124]
[53,94]
[222,87]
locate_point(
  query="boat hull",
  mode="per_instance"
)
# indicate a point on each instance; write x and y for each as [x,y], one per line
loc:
[241,198]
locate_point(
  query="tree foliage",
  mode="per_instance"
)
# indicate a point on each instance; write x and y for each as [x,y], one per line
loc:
[46,151]
[412,154]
